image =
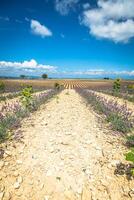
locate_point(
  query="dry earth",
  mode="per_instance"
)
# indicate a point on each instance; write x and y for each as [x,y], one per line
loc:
[66,154]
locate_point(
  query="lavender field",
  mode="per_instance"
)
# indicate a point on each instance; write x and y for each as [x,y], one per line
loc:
[69,143]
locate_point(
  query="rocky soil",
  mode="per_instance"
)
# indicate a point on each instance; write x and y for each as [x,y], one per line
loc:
[65,153]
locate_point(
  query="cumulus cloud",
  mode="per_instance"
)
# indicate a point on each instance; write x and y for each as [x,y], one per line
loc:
[97,72]
[31,65]
[39,29]
[64,6]
[105,73]
[112,19]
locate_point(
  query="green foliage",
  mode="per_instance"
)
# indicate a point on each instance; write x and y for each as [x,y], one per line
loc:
[44,76]
[130,86]
[3,133]
[22,76]
[130,141]
[26,97]
[130,89]
[130,157]
[130,138]
[116,86]
[2,86]
[118,123]
[57,86]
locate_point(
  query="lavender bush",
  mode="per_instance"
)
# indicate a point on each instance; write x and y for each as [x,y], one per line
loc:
[123,95]
[120,117]
[12,113]
[4,97]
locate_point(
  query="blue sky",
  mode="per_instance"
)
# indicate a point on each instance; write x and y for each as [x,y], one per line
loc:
[67,38]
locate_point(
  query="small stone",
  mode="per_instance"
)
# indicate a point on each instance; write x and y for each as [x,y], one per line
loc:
[131,193]
[49,173]
[1,164]
[104,183]
[114,163]
[34,157]
[21,151]
[98,148]
[6,163]
[109,166]
[31,182]
[19,162]
[41,186]
[16,185]
[1,195]
[52,150]
[16,174]
[8,196]
[2,188]
[19,179]
[8,153]
[46,197]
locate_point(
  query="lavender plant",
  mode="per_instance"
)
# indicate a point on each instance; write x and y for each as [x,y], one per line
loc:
[4,97]
[120,117]
[11,114]
[123,95]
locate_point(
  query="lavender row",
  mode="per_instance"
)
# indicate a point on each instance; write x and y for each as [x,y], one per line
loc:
[13,106]
[11,114]
[120,116]
[126,96]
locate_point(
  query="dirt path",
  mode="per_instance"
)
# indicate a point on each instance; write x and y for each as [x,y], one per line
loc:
[66,154]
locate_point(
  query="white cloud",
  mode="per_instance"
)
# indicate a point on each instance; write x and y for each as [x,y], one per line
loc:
[86,6]
[112,19]
[34,68]
[5,18]
[39,29]
[26,65]
[100,72]
[104,72]
[64,6]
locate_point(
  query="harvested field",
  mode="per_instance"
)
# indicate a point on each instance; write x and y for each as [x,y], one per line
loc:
[16,85]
